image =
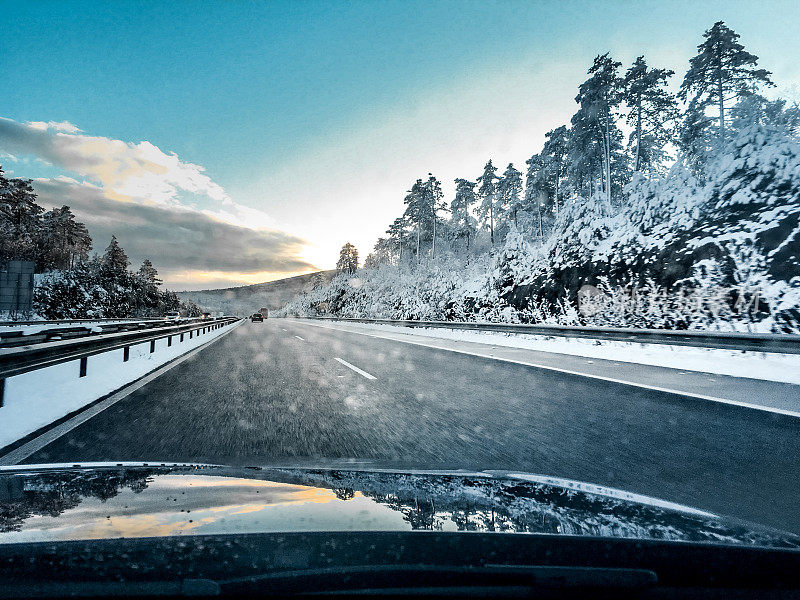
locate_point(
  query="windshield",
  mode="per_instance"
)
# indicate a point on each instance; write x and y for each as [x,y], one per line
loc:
[552,245]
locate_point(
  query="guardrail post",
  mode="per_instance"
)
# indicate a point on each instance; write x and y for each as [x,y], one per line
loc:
[2,390]
[82,373]
[126,353]
[152,346]
[169,340]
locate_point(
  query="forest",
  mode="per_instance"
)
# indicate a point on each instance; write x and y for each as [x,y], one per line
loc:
[69,282]
[658,205]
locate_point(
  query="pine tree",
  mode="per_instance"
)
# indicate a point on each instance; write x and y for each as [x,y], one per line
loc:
[415,210]
[538,189]
[19,218]
[599,98]
[721,72]
[584,154]
[651,109]
[433,199]
[462,221]
[63,241]
[509,193]
[554,155]
[487,193]
[348,259]
[397,235]
[149,273]
[114,259]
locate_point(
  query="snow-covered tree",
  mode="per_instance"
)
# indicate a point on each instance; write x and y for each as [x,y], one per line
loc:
[62,240]
[487,192]
[348,259]
[416,212]
[19,218]
[538,190]
[652,109]
[463,224]
[114,257]
[509,194]
[721,72]
[599,98]
[554,155]
[433,202]
[149,273]
[397,236]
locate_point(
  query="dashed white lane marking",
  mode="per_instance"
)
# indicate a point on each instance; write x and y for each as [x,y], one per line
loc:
[355,368]
[685,393]
[299,338]
[282,329]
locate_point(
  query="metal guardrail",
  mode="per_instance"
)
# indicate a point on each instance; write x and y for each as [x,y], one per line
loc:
[17,360]
[756,342]
[61,330]
[70,321]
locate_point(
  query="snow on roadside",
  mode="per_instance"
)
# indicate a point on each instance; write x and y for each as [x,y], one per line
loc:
[35,399]
[767,366]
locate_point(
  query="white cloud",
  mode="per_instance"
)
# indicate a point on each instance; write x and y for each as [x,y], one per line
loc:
[185,244]
[64,126]
[159,206]
[127,171]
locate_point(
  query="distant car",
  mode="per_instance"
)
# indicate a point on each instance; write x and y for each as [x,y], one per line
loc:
[257,317]
[173,316]
[205,315]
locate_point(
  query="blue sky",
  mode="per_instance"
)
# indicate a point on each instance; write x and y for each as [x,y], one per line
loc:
[317,116]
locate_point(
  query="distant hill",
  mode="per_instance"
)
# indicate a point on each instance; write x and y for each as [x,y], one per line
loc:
[247,299]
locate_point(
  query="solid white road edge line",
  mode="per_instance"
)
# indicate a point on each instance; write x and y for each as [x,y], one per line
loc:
[37,443]
[780,411]
[356,369]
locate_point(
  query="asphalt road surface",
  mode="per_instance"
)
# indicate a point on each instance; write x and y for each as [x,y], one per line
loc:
[286,392]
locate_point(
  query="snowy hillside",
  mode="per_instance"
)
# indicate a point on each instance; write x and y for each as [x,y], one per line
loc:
[603,233]
[247,299]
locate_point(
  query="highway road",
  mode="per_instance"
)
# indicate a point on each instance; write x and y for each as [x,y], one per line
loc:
[285,391]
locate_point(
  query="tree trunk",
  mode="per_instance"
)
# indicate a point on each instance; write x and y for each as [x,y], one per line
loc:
[491,220]
[721,106]
[539,212]
[720,92]
[558,181]
[433,245]
[638,133]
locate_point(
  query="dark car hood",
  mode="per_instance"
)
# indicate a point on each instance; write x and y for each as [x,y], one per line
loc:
[88,501]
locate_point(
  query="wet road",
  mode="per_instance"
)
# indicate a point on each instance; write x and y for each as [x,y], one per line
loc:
[287,392]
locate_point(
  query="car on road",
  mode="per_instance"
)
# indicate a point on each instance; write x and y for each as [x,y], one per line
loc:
[257,317]
[133,529]
[205,315]
[172,316]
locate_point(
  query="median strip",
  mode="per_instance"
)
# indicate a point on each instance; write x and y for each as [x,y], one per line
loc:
[356,369]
